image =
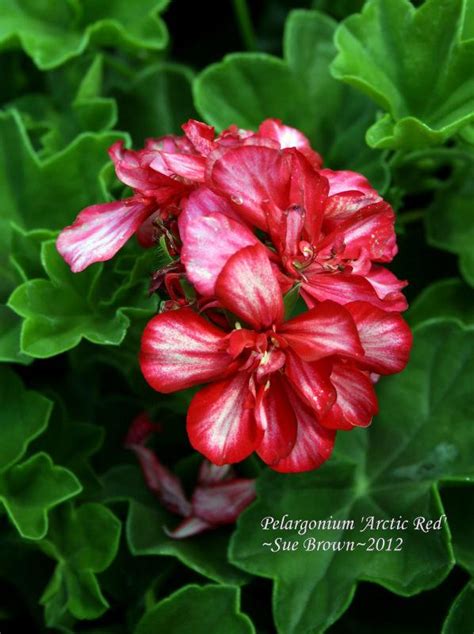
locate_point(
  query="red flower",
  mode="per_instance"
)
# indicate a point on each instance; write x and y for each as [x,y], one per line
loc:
[217,500]
[276,387]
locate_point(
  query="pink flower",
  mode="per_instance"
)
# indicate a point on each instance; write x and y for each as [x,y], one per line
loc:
[218,498]
[276,387]
[331,231]
[161,176]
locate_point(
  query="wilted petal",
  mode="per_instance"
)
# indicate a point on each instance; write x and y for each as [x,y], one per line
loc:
[356,402]
[222,503]
[180,349]
[385,337]
[323,331]
[276,418]
[140,430]
[100,231]
[248,287]
[221,423]
[164,484]
[314,443]
[189,527]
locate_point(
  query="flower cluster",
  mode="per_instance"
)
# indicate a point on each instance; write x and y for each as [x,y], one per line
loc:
[255,227]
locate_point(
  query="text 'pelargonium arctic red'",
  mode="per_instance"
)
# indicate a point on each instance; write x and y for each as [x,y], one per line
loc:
[256,226]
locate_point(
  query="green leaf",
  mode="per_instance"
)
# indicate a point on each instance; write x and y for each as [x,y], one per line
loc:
[30,489]
[24,416]
[59,312]
[460,619]
[392,52]
[205,553]
[445,298]
[450,219]
[84,541]
[49,193]
[161,93]
[248,87]
[459,504]
[54,31]
[197,610]
[422,435]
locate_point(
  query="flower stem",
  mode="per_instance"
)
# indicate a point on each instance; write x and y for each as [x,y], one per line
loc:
[244,20]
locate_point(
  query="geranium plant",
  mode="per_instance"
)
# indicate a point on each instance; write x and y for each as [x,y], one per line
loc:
[237,316]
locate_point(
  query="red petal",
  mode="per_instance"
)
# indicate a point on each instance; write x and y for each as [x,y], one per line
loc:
[187,166]
[276,418]
[162,482]
[248,287]
[250,176]
[356,402]
[385,337]
[323,331]
[223,503]
[370,229]
[311,381]
[388,287]
[209,243]
[203,202]
[100,231]
[221,423]
[314,443]
[289,137]
[345,181]
[341,288]
[181,349]
[201,136]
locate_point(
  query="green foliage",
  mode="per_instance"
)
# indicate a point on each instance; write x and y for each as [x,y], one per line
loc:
[195,609]
[390,52]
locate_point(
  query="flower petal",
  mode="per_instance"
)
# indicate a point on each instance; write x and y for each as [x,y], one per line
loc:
[180,349]
[314,443]
[201,136]
[188,527]
[164,484]
[250,176]
[311,381]
[385,337]
[341,288]
[188,166]
[276,418]
[322,331]
[221,423]
[388,287]
[345,180]
[223,503]
[208,244]
[289,137]
[100,231]
[356,402]
[248,287]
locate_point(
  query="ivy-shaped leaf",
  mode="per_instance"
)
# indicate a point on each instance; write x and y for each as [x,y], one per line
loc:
[450,219]
[197,610]
[30,489]
[24,415]
[392,52]
[59,312]
[245,88]
[460,619]
[49,193]
[84,541]
[53,32]
[422,435]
